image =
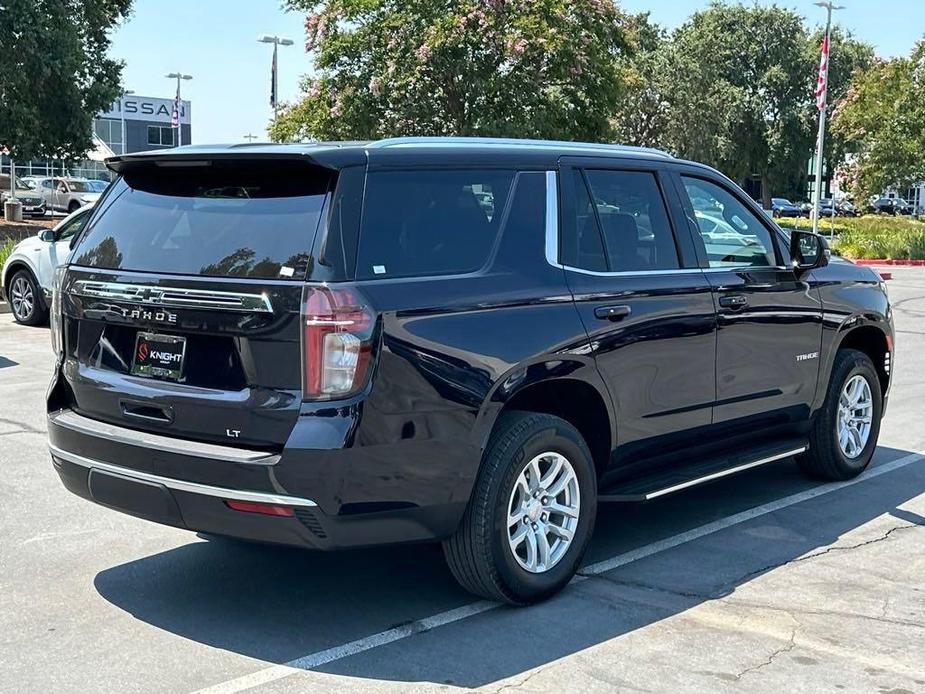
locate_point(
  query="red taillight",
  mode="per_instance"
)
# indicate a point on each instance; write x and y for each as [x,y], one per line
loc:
[253,507]
[336,330]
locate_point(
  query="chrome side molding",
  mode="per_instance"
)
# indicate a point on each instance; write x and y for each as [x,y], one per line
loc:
[173,296]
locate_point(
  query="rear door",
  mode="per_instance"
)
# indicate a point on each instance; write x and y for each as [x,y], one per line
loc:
[645,304]
[769,320]
[183,295]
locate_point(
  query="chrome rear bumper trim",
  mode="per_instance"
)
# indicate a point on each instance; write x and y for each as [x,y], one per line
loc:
[144,439]
[183,485]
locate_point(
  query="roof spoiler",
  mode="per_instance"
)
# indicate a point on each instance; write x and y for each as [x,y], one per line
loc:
[169,159]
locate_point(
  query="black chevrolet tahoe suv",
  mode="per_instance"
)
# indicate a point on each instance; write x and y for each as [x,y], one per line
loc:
[470,341]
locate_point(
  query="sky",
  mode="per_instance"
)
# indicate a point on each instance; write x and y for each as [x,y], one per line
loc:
[215,41]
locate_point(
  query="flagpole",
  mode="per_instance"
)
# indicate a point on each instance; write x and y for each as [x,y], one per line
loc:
[823,108]
[179,124]
[178,104]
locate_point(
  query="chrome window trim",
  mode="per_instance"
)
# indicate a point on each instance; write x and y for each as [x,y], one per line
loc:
[183,485]
[174,296]
[552,219]
[168,444]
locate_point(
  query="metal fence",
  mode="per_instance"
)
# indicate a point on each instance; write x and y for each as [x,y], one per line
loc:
[75,169]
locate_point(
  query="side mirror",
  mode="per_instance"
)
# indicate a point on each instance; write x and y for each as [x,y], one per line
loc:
[47,235]
[808,251]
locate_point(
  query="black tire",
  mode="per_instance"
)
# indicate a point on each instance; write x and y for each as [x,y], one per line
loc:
[478,553]
[73,207]
[825,459]
[37,314]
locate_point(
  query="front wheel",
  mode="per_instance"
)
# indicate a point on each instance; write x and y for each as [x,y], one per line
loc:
[845,431]
[531,514]
[24,299]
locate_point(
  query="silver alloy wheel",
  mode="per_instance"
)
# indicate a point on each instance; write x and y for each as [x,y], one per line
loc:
[543,512]
[23,298]
[855,412]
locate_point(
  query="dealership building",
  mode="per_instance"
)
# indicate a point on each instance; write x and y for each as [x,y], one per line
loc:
[131,124]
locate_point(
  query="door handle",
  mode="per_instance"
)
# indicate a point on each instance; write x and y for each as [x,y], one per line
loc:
[612,313]
[734,301]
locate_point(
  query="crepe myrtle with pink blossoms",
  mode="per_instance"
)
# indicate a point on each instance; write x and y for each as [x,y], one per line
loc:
[524,68]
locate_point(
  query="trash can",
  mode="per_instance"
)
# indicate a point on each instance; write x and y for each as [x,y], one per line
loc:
[12,210]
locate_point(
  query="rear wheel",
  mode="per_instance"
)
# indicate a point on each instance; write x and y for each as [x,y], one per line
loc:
[73,207]
[25,301]
[845,431]
[531,513]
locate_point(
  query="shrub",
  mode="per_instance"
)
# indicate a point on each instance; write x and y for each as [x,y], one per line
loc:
[872,236]
[6,247]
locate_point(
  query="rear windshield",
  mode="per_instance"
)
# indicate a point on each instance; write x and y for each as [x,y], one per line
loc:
[418,223]
[234,220]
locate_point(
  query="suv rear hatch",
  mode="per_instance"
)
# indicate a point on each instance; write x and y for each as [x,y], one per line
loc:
[181,304]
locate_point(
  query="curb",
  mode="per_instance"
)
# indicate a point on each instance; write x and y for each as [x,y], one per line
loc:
[890,261]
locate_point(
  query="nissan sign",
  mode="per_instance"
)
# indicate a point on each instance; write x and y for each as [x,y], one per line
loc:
[148,109]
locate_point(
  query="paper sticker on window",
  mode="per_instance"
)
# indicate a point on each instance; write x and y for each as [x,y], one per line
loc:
[379,269]
[286,271]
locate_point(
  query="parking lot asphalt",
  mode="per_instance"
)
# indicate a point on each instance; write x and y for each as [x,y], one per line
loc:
[764,582]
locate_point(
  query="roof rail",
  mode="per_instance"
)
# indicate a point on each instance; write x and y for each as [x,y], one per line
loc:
[511,142]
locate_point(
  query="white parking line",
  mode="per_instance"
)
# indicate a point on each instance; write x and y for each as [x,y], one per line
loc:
[319,658]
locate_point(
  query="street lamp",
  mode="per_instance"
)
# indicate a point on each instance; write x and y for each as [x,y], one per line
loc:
[177,104]
[821,95]
[277,41]
[122,115]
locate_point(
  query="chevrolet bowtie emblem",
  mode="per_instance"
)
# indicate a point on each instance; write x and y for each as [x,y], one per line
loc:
[149,295]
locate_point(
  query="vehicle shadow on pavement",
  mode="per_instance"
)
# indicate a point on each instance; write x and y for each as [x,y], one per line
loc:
[277,604]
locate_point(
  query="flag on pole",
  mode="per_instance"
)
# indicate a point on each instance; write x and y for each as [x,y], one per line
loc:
[822,82]
[175,116]
[273,85]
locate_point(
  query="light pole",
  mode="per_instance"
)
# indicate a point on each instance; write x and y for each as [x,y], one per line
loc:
[250,137]
[822,86]
[277,41]
[177,104]
[122,115]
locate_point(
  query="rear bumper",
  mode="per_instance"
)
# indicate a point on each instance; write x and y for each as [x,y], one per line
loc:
[186,484]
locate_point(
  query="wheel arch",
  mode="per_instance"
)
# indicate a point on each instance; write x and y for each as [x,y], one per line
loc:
[873,338]
[873,341]
[571,390]
[15,265]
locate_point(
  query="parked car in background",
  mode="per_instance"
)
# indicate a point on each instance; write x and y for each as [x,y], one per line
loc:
[33,205]
[782,207]
[894,206]
[67,194]
[28,274]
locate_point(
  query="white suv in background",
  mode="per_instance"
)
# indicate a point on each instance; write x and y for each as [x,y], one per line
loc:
[28,274]
[67,194]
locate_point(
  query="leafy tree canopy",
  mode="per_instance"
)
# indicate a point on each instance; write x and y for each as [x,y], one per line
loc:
[56,76]
[733,87]
[883,115]
[524,68]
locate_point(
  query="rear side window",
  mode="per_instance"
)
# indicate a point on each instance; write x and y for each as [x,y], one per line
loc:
[229,220]
[435,222]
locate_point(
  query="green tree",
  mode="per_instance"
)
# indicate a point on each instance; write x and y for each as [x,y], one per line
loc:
[56,75]
[643,116]
[526,68]
[883,116]
[733,87]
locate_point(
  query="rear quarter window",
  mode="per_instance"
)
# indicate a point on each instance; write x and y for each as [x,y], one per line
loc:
[433,222]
